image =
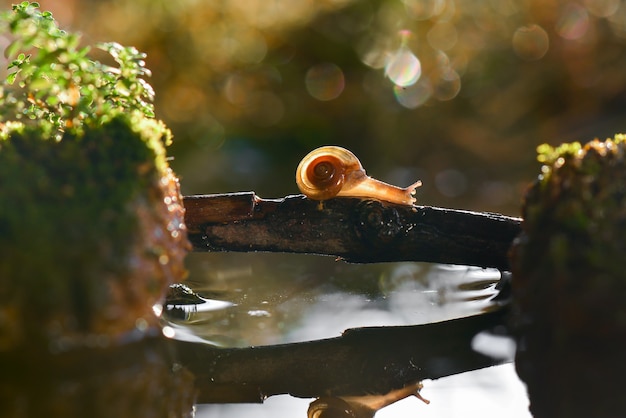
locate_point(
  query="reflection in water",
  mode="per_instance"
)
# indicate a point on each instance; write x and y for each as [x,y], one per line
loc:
[338,408]
[489,393]
[264,299]
[361,406]
[261,299]
[127,380]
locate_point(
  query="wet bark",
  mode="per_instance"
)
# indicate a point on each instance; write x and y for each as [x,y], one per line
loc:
[359,231]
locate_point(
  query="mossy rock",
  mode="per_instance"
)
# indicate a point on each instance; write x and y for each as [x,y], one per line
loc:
[91,219]
[569,282]
[91,234]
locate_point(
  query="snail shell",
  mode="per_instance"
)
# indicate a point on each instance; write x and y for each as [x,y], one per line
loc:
[334,407]
[332,171]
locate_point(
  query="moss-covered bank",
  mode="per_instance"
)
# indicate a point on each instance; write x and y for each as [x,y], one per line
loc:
[570,282]
[91,217]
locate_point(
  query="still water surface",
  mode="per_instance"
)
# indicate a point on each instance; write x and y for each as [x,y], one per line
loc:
[263,299]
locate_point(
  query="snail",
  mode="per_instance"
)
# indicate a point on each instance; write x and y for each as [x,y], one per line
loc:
[364,406]
[332,171]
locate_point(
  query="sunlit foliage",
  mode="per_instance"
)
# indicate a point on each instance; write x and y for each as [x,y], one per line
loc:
[53,83]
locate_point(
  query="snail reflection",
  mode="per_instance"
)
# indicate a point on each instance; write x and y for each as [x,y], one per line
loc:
[332,171]
[360,406]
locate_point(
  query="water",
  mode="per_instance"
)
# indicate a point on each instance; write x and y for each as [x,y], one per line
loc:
[494,392]
[263,299]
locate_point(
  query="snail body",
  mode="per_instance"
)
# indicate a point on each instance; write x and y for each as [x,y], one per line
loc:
[332,171]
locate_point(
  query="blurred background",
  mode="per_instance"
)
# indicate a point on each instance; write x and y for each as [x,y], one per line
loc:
[456,93]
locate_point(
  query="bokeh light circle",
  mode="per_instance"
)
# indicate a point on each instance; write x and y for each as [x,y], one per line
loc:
[448,85]
[325,81]
[574,22]
[404,68]
[443,36]
[530,42]
[413,96]
[602,8]
[423,9]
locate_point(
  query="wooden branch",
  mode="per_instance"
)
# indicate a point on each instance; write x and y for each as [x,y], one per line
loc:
[359,231]
[362,361]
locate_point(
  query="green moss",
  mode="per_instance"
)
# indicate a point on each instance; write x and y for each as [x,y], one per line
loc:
[54,84]
[569,280]
[580,192]
[575,222]
[548,154]
[79,147]
[65,213]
